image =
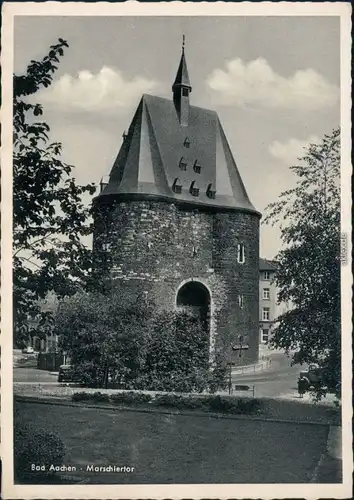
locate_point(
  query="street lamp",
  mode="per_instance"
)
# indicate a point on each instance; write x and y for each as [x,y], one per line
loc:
[237,347]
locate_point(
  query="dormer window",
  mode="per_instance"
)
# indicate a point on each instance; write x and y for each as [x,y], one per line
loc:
[197,167]
[194,190]
[211,191]
[177,186]
[187,142]
[183,163]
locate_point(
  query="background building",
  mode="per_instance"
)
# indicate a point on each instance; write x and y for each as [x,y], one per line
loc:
[46,342]
[269,307]
[174,222]
[267,298]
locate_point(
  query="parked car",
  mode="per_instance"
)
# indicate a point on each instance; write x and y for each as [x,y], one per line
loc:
[313,376]
[67,374]
[28,350]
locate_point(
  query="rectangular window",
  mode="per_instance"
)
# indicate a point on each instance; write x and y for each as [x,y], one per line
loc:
[266,294]
[265,314]
[266,275]
[265,335]
[185,92]
[241,253]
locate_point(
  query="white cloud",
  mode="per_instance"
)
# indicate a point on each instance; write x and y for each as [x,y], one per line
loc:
[102,92]
[256,83]
[291,150]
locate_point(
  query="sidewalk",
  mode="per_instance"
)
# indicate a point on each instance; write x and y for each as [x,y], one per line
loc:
[264,362]
[328,400]
[257,367]
[329,467]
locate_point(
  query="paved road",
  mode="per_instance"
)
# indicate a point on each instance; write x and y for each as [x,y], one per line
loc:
[276,381]
[279,379]
[32,375]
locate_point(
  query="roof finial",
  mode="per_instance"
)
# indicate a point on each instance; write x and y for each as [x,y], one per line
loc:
[183,42]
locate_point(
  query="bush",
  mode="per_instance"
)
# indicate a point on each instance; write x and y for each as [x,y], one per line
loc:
[249,406]
[176,401]
[224,404]
[81,396]
[97,397]
[190,402]
[229,404]
[133,398]
[34,447]
[100,397]
[170,400]
[218,403]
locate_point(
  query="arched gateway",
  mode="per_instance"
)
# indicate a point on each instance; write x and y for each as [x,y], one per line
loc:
[194,298]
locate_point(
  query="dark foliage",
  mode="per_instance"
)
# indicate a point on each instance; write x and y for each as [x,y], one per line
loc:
[222,404]
[35,447]
[132,347]
[131,398]
[308,273]
[49,214]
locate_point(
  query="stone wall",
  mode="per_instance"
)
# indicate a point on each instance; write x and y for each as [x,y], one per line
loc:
[153,248]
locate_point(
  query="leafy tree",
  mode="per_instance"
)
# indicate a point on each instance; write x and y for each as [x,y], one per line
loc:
[133,346]
[103,338]
[308,274]
[49,215]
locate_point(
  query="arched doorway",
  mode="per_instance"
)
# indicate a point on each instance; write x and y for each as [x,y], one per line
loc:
[194,298]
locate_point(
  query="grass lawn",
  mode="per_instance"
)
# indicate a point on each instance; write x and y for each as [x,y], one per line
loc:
[181,448]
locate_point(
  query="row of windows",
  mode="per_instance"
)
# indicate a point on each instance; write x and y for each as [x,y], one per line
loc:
[183,163]
[193,188]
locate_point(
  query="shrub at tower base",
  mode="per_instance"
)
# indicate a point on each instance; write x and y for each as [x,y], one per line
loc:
[133,347]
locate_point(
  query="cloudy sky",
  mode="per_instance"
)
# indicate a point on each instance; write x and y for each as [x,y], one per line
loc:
[274,82]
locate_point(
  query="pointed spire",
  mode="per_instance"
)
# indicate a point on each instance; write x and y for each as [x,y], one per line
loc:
[182,77]
[181,89]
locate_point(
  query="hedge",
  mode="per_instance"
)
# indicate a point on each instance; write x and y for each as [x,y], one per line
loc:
[223,404]
[133,398]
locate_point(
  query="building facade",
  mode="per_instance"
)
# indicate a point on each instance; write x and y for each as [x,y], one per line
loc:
[174,223]
[269,306]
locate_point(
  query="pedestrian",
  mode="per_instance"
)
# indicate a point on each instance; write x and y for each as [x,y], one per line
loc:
[301,386]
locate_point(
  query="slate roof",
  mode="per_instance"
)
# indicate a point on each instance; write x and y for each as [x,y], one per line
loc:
[152,155]
[267,265]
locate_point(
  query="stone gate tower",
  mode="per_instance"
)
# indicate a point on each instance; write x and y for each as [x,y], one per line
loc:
[174,222]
